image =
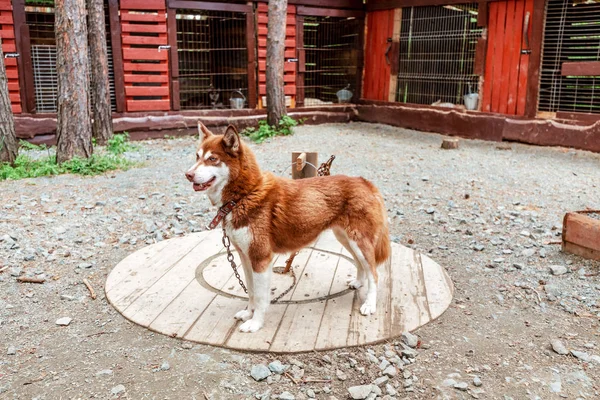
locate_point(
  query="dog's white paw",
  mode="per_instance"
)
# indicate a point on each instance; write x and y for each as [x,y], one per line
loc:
[355,284]
[243,315]
[251,325]
[368,308]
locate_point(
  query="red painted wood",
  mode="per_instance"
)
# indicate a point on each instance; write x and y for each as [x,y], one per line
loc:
[162,67]
[129,78]
[148,105]
[498,55]
[6,18]
[376,83]
[16,108]
[12,73]
[584,68]
[486,104]
[128,16]
[5,6]
[503,82]
[128,39]
[13,86]
[288,90]
[9,47]
[7,32]
[146,90]
[513,73]
[145,54]
[10,62]
[153,5]
[140,28]
[524,65]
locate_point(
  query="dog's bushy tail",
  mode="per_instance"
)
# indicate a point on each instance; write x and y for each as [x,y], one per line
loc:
[383,249]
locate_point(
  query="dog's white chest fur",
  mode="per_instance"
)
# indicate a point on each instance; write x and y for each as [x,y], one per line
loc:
[241,237]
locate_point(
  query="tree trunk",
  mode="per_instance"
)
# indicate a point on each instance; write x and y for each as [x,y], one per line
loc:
[74,127]
[8,140]
[102,123]
[275,60]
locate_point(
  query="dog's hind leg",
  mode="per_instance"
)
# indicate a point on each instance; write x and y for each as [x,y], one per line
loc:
[342,237]
[365,254]
[245,315]
[262,289]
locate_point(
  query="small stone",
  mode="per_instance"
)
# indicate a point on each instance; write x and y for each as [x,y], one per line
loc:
[390,371]
[477,381]
[277,367]
[461,386]
[12,350]
[518,266]
[555,387]
[478,247]
[287,396]
[360,392]
[528,252]
[376,390]
[409,353]
[449,382]
[165,366]
[117,390]
[558,269]
[104,372]
[310,393]
[259,372]
[16,272]
[430,210]
[84,266]
[341,375]
[64,321]
[384,364]
[389,389]
[381,380]
[583,356]
[525,233]
[559,347]
[425,178]
[409,339]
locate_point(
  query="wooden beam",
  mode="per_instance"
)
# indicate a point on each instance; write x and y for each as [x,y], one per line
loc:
[117,53]
[360,62]
[251,46]
[173,59]
[210,6]
[351,4]
[300,65]
[586,68]
[390,4]
[535,58]
[395,55]
[329,12]
[24,64]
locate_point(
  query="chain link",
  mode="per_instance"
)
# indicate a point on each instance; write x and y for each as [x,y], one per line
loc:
[322,171]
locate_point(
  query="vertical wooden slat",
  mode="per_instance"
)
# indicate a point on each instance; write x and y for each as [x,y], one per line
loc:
[360,62]
[489,59]
[529,105]
[482,14]
[24,62]
[524,63]
[117,53]
[301,61]
[513,74]
[251,45]
[174,59]
[507,55]
[498,54]
[394,54]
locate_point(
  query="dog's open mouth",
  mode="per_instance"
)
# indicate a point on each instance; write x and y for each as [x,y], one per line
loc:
[198,187]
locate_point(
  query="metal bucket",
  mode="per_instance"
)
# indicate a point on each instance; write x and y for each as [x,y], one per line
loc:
[471,101]
[237,103]
[344,95]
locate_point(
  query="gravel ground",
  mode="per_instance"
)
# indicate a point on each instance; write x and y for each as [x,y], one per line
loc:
[488,212]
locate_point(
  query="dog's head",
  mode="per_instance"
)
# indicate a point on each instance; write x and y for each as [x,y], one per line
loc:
[217,159]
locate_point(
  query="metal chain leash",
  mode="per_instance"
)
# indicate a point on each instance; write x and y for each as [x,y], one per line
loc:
[324,170]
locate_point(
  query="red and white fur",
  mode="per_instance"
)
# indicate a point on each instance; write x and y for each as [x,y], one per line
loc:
[280,215]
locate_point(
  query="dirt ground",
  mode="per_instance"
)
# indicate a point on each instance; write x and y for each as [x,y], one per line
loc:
[488,212]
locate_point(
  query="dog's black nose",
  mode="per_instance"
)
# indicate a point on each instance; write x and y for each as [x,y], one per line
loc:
[190,176]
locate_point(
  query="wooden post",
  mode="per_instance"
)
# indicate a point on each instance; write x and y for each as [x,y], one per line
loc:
[307,170]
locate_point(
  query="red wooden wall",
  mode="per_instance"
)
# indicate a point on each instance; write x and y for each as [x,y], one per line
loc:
[7,33]
[145,91]
[506,68]
[289,76]
[377,72]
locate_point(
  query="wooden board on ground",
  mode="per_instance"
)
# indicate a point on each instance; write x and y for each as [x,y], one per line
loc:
[185,288]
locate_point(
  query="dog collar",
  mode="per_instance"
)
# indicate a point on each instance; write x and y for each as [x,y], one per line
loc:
[222,213]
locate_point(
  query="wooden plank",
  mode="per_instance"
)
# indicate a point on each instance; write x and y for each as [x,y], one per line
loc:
[7,33]
[117,53]
[10,62]
[395,55]
[333,331]
[9,47]
[148,105]
[499,37]
[438,285]
[299,327]
[329,12]
[143,5]
[216,323]
[127,16]
[389,4]
[507,56]
[488,86]
[177,318]
[12,74]
[141,277]
[157,41]
[531,90]
[513,73]
[360,59]
[524,65]
[5,6]
[151,303]
[175,100]
[344,273]
[146,90]
[591,118]
[139,28]
[584,68]
[251,46]
[584,252]
[301,64]
[25,65]
[480,53]
[582,231]
[130,78]
[261,340]
[129,66]
[482,14]
[209,6]
[356,4]
[16,108]
[300,263]
[6,19]
[13,86]
[145,54]
[320,268]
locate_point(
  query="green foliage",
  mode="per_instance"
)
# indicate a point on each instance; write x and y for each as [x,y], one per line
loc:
[25,145]
[265,131]
[119,144]
[26,167]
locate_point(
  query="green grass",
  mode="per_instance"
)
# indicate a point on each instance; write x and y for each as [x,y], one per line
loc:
[266,131]
[28,167]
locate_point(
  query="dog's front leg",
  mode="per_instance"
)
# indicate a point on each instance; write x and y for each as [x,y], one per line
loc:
[245,315]
[262,288]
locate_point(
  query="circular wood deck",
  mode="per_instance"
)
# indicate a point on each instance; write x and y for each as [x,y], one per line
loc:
[185,288]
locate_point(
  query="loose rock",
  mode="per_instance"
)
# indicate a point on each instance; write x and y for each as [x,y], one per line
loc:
[409,339]
[259,372]
[64,321]
[360,392]
[558,269]
[277,367]
[559,347]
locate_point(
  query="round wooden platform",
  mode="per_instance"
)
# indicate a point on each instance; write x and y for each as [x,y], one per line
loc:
[185,288]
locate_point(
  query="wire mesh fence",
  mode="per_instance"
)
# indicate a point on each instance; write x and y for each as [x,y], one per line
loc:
[331,46]
[437,53]
[213,59]
[571,34]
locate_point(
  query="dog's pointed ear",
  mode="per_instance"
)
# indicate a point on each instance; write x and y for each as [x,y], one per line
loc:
[203,132]
[231,141]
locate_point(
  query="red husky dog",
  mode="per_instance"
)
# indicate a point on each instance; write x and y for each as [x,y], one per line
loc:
[270,214]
